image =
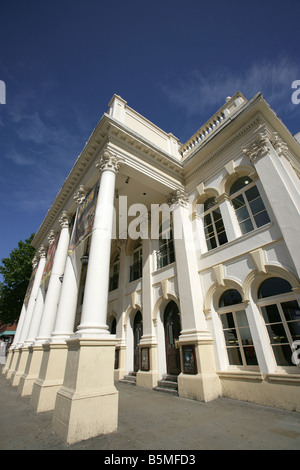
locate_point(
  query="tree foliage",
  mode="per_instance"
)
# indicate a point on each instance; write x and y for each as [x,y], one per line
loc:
[16,271]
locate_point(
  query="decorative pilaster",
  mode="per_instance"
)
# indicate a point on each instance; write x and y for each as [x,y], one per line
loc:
[147,377]
[195,339]
[264,153]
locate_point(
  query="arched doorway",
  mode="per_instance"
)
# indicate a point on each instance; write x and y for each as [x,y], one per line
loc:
[172,331]
[137,334]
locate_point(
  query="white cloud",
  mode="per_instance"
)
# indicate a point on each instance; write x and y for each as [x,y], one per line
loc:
[207,91]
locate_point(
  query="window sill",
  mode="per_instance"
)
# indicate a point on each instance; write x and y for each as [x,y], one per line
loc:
[164,268]
[242,374]
[241,238]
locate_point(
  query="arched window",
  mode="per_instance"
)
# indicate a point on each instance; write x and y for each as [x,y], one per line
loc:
[247,202]
[281,314]
[214,229]
[114,278]
[136,267]
[237,334]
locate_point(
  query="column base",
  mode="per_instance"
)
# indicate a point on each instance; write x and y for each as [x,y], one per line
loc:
[87,403]
[148,376]
[50,377]
[198,379]
[20,366]
[35,354]
[8,362]
[120,362]
[12,365]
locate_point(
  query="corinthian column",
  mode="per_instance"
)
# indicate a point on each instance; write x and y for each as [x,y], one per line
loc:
[54,287]
[94,308]
[87,403]
[20,360]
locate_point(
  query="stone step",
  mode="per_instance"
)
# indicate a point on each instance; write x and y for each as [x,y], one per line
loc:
[167,384]
[129,379]
[166,390]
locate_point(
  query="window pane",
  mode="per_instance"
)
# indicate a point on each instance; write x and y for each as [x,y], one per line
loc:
[242,213]
[294,328]
[277,333]
[209,203]
[273,286]
[242,318]
[271,314]
[238,201]
[234,357]
[211,243]
[209,230]
[230,297]
[222,238]
[250,356]
[219,226]
[262,218]
[246,336]
[231,337]
[252,193]
[217,214]
[257,205]
[291,310]
[207,219]
[246,226]
[240,183]
[283,355]
[227,320]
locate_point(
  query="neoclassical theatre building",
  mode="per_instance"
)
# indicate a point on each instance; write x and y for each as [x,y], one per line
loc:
[169,266]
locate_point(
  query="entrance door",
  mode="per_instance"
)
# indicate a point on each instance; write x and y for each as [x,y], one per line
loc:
[137,333]
[172,332]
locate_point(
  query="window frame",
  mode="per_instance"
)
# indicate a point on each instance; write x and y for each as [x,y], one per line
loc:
[277,300]
[251,216]
[216,234]
[136,268]
[233,309]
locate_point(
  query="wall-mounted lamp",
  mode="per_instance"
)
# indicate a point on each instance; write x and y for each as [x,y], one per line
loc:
[84,260]
[61,278]
[127,180]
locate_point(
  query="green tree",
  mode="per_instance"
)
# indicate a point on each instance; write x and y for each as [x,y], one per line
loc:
[16,271]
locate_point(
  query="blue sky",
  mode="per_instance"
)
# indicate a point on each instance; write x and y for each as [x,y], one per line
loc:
[173,61]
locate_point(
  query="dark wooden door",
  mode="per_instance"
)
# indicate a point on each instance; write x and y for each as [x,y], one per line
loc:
[172,332]
[137,333]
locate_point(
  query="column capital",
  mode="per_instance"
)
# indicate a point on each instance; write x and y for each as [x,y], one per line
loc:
[64,220]
[179,196]
[34,262]
[109,162]
[42,252]
[279,145]
[80,194]
[258,147]
[51,237]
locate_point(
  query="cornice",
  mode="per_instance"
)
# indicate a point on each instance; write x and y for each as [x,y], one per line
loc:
[142,147]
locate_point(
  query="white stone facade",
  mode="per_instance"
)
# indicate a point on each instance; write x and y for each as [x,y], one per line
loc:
[216,304]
